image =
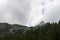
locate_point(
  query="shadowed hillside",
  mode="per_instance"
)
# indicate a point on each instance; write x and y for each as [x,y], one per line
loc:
[48,31]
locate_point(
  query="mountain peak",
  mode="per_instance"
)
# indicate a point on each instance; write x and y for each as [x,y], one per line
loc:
[41,23]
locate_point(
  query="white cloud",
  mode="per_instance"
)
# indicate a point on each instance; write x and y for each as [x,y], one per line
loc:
[28,12]
[20,11]
[52,13]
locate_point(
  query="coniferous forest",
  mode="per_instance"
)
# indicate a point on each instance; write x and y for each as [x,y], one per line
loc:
[49,31]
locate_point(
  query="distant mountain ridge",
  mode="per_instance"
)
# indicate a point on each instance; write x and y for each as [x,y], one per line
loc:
[13,28]
[8,28]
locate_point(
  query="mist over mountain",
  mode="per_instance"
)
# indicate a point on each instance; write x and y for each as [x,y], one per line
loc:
[47,31]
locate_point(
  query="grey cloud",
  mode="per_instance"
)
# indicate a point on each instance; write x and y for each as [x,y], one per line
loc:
[53,15]
[17,10]
[20,11]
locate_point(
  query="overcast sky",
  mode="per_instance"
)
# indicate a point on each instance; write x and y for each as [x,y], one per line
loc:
[29,12]
[52,13]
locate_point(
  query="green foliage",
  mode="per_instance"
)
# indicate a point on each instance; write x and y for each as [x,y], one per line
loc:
[49,31]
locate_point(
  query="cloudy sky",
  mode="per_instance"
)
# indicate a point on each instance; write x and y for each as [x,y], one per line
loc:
[29,12]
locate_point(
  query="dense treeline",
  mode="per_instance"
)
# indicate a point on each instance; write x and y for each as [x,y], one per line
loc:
[49,31]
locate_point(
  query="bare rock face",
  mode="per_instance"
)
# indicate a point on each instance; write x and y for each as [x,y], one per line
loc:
[41,23]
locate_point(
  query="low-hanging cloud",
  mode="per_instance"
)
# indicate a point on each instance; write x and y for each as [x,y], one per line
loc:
[52,13]
[23,12]
[28,12]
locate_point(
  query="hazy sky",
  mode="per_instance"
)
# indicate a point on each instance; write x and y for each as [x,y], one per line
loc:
[52,13]
[29,12]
